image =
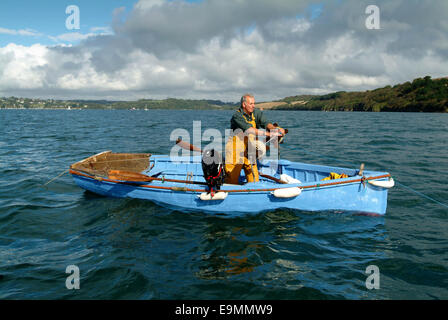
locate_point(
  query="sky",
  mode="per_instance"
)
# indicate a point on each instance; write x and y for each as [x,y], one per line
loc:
[216,49]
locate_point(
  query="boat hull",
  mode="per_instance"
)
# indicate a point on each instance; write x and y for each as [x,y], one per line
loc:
[357,197]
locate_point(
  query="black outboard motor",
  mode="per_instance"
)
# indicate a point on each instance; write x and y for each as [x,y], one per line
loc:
[213,169]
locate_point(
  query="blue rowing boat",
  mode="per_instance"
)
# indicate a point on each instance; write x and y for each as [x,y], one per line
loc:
[179,184]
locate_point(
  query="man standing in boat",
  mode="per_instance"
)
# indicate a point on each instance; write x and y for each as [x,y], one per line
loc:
[246,124]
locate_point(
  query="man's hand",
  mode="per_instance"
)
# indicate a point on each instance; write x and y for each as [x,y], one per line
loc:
[277,132]
[273,133]
[282,131]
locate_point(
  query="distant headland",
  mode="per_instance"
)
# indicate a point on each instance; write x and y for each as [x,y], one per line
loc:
[420,95]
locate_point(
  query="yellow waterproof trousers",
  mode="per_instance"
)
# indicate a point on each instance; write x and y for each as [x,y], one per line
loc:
[236,159]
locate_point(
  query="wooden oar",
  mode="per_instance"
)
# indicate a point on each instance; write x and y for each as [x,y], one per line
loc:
[361,169]
[188,146]
[272,178]
[124,175]
[129,176]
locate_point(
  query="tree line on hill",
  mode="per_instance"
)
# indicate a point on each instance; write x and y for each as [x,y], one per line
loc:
[420,95]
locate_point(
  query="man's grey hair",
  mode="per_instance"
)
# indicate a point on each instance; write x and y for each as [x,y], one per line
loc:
[244,97]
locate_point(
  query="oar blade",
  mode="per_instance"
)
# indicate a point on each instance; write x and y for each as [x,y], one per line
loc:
[124,175]
[187,146]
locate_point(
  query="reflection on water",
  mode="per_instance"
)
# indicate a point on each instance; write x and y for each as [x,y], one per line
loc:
[131,249]
[230,250]
[227,252]
[292,250]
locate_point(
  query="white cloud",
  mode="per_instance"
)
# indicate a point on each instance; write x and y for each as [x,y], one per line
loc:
[71,37]
[101,30]
[21,32]
[353,80]
[220,49]
[23,69]
[77,36]
[148,4]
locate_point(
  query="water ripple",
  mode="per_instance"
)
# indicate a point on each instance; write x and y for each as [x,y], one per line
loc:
[133,249]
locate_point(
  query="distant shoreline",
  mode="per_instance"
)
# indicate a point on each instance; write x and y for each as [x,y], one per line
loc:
[292,110]
[421,95]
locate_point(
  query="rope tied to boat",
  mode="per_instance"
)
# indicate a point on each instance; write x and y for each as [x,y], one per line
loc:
[363,181]
[55,178]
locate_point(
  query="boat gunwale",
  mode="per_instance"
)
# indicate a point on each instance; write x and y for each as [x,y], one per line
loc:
[303,186]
